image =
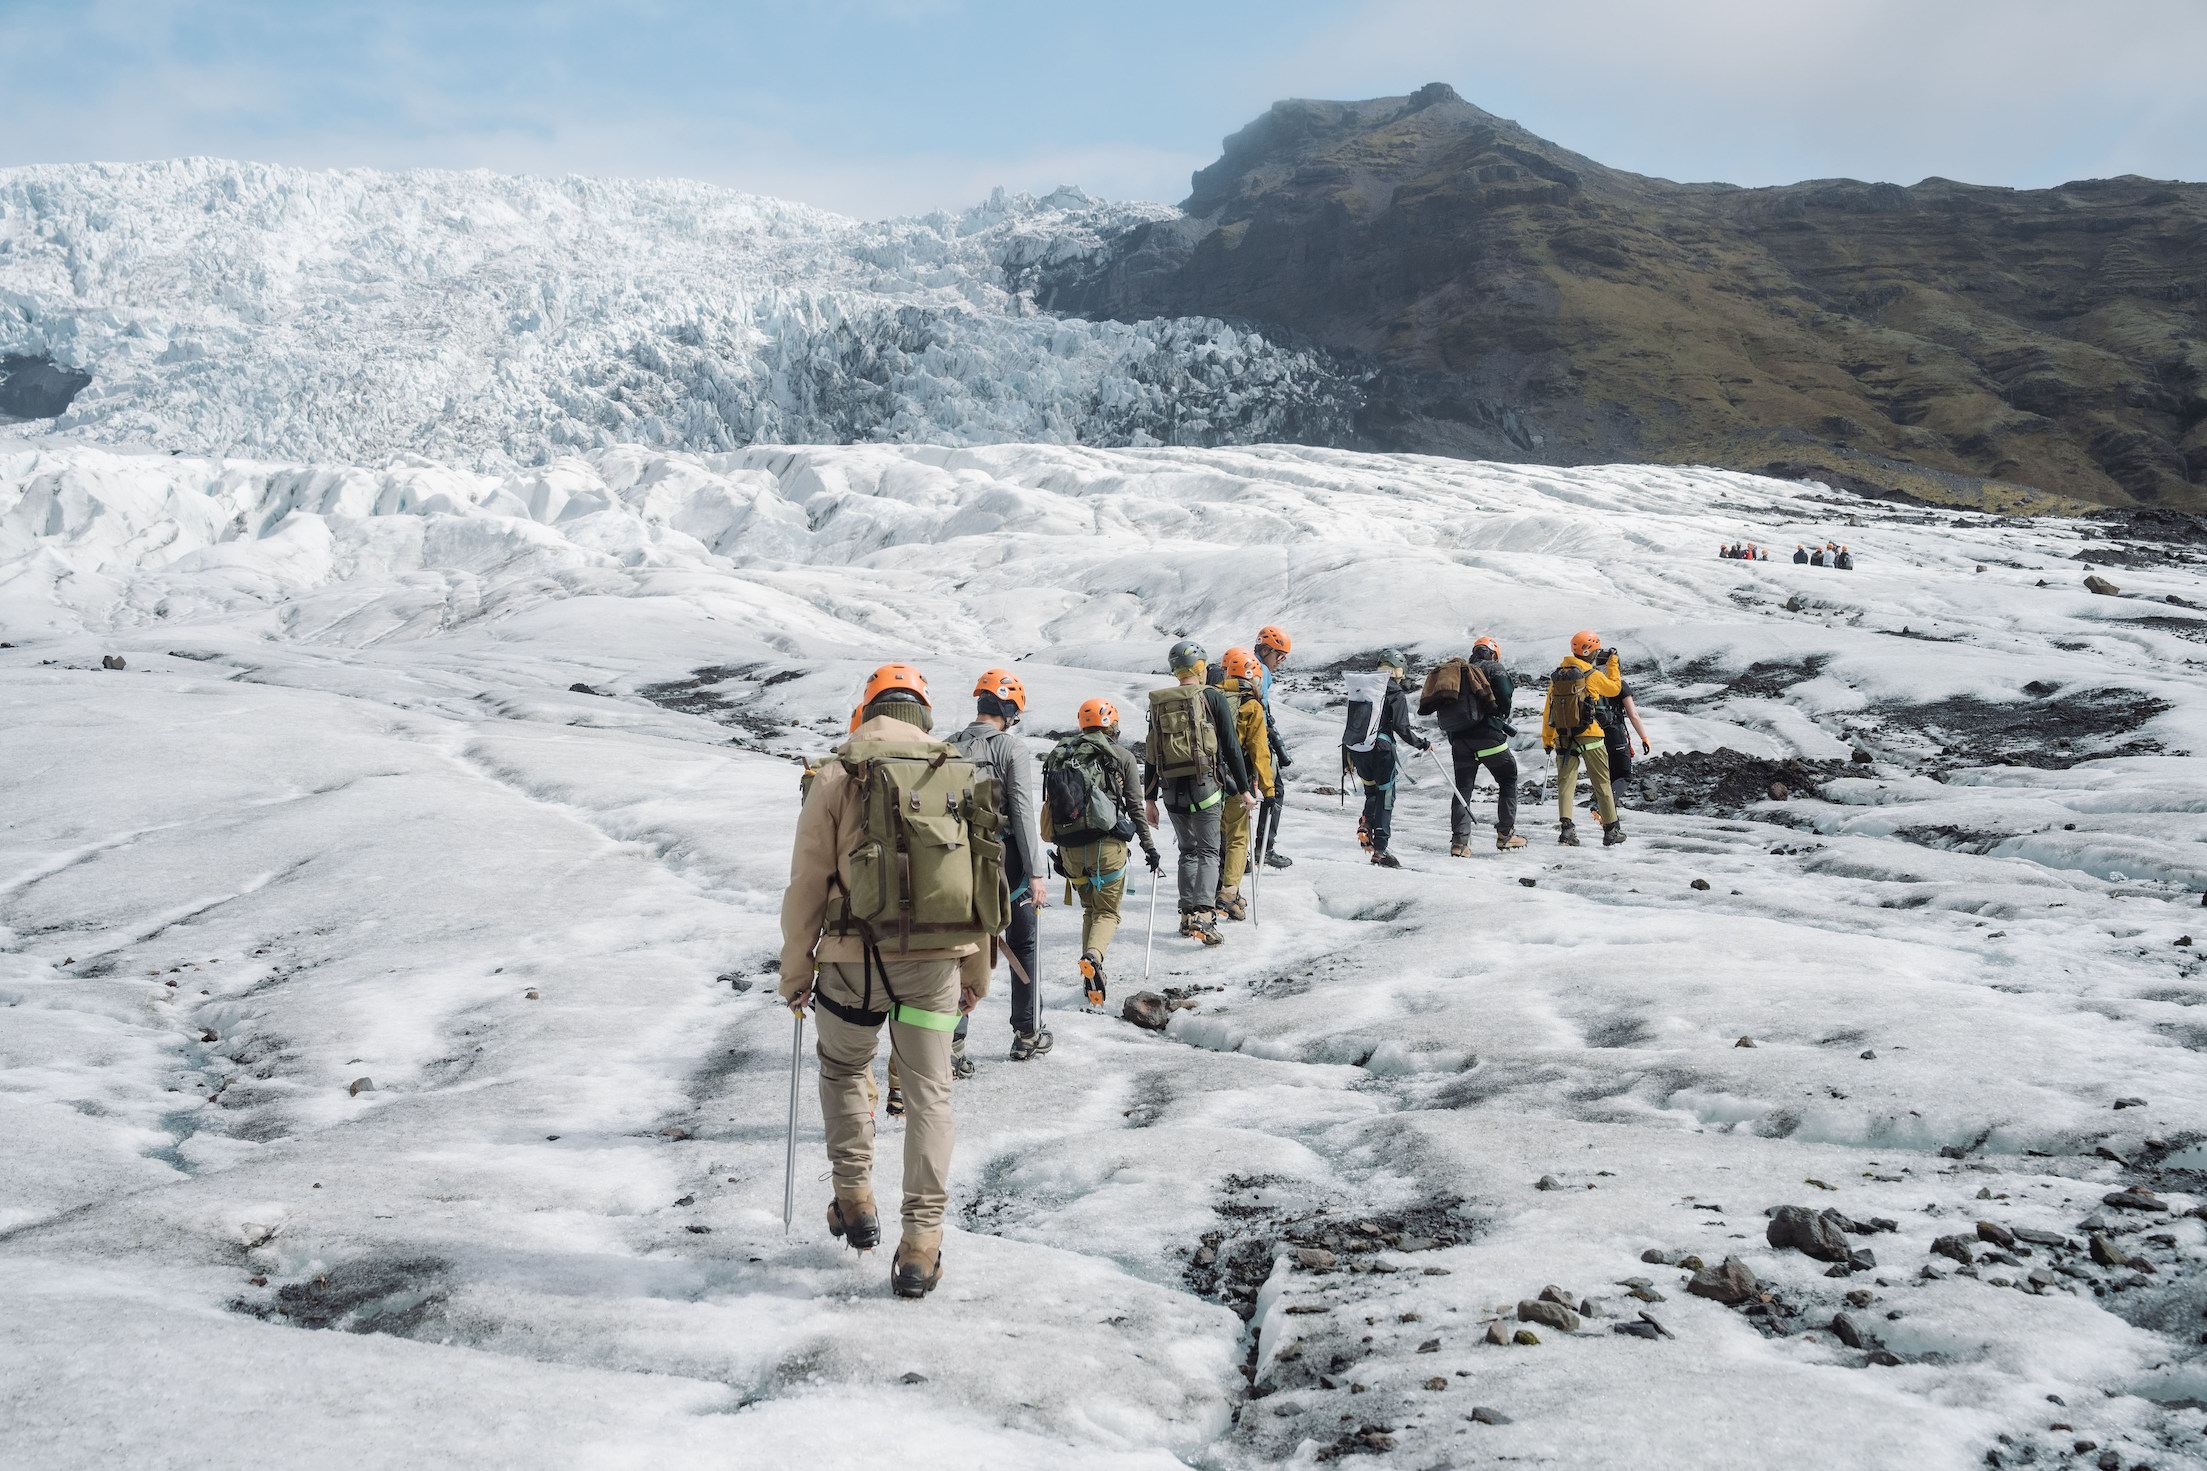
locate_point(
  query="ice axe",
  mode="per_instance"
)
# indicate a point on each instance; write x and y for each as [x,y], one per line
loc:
[1149,946]
[1451,780]
[789,1167]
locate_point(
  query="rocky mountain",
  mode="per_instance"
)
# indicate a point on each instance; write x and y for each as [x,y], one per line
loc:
[1516,300]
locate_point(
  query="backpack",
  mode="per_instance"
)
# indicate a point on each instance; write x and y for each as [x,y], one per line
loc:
[976,750]
[931,858]
[1182,742]
[1570,708]
[1457,695]
[1084,794]
[1367,708]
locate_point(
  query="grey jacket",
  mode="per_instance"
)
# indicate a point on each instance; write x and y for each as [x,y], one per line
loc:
[1007,761]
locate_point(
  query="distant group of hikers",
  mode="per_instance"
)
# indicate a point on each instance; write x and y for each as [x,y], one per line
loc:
[919,860]
[1830,554]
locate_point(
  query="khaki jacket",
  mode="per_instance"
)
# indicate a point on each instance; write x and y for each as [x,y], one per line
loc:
[830,828]
[1256,742]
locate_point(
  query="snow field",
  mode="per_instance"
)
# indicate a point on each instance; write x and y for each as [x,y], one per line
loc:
[344,789]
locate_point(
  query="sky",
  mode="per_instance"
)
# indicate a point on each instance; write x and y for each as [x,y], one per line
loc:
[885,107]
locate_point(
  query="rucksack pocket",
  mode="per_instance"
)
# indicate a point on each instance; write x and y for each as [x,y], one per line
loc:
[873,896]
[939,868]
[991,903]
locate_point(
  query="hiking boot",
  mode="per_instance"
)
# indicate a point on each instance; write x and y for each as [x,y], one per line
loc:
[1613,834]
[916,1268]
[1231,905]
[1187,924]
[1029,1044]
[1459,850]
[895,1106]
[1278,860]
[1385,859]
[961,1066]
[856,1221]
[1505,842]
[1206,928]
[1568,835]
[1363,836]
[1092,975]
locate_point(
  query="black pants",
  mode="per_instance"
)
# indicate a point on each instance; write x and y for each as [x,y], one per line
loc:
[1376,768]
[1620,761]
[1023,938]
[1464,756]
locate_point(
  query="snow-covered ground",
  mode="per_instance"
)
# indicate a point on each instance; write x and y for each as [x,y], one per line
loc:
[344,814]
[493,321]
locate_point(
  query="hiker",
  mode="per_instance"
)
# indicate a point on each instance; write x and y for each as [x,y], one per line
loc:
[1089,782]
[1844,561]
[1571,732]
[1620,717]
[1379,715]
[851,943]
[1244,684]
[1192,762]
[999,701]
[1800,555]
[1272,651]
[1470,700]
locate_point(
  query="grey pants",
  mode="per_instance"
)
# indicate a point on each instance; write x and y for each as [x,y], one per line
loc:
[1197,835]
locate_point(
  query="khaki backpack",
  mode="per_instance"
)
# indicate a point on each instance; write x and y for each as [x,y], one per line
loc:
[1182,742]
[931,861]
[1570,708]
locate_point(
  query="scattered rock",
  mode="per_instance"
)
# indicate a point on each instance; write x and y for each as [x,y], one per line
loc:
[1437,1382]
[1884,1358]
[1730,1284]
[530,994]
[258,1281]
[675,1133]
[1416,1243]
[2133,1200]
[112,661]
[1958,1248]
[699,1230]
[687,1200]
[1779,792]
[2122,1103]
[2105,1252]
[1635,1330]
[1997,1234]
[1308,1307]
[2093,582]
[1497,1334]
[1845,1331]
[1699,884]
[1821,1235]
[1549,1314]
[1656,1256]
[1316,1258]
[1869,1057]
[1147,1010]
[1744,1042]
[1652,1322]
[2042,1238]
[1691,1263]
[1486,1416]
[1525,1338]
[1530,883]
[1430,1346]
[580,689]
[913,1376]
[360,1086]
[1547,1182]
[1556,1295]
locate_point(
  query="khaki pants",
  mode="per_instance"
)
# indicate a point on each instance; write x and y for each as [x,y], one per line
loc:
[1099,906]
[1597,772]
[922,1058]
[1233,841]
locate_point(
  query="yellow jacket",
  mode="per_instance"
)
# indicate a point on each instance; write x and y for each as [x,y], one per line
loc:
[1249,726]
[832,826]
[1600,685]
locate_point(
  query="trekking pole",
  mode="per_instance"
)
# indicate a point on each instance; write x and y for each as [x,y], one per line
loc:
[1149,946]
[1451,780]
[1256,861]
[789,1167]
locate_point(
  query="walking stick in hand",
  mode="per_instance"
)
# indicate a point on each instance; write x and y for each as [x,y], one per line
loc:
[789,1167]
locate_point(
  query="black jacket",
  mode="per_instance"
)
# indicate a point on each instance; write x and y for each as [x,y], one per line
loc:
[1182,794]
[1488,733]
[1394,717]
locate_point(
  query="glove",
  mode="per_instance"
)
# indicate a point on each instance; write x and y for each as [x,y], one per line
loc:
[1156,864]
[1645,748]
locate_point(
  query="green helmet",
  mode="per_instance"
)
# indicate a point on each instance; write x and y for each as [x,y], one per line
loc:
[1394,659]
[1187,655]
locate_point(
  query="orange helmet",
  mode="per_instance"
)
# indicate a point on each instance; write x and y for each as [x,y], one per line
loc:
[1272,637]
[1005,685]
[1241,664]
[1585,641]
[890,677]
[1489,645]
[1098,714]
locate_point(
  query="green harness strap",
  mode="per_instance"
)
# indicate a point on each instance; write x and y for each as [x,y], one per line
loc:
[1211,801]
[1483,755]
[933,1021]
